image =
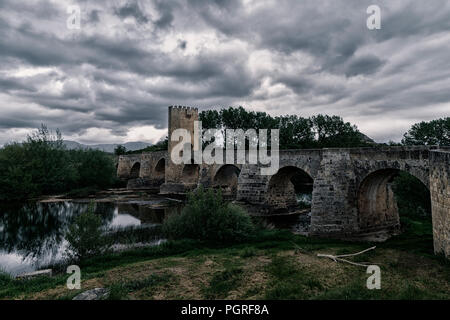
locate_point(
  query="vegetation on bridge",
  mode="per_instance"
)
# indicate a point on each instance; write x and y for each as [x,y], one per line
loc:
[321,131]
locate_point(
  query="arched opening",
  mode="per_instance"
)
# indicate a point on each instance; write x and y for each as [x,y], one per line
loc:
[190,173]
[226,179]
[135,170]
[289,190]
[160,169]
[389,200]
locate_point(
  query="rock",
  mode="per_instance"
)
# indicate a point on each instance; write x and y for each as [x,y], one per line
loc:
[29,275]
[93,294]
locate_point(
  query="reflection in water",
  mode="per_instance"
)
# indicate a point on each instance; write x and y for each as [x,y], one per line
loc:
[32,234]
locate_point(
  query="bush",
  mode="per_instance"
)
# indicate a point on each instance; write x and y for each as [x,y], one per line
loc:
[42,165]
[207,217]
[85,236]
[38,166]
[94,168]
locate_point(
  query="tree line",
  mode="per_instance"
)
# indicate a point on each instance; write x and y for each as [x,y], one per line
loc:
[42,165]
[320,131]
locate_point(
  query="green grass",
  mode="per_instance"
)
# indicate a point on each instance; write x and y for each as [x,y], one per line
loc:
[406,262]
[10,287]
[120,291]
[222,283]
[289,281]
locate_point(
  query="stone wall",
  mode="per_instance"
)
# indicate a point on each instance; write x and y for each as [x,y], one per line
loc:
[352,193]
[179,118]
[440,200]
[126,162]
[253,187]
[332,214]
[151,169]
[180,178]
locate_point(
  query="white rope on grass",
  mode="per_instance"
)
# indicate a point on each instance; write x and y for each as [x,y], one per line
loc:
[338,258]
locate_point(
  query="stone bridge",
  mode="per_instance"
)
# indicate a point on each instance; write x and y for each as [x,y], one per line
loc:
[351,187]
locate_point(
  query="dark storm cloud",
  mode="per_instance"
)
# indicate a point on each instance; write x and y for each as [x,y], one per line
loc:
[131,9]
[165,9]
[94,16]
[363,65]
[282,56]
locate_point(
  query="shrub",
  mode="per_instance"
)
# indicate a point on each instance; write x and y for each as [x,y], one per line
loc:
[208,217]
[42,165]
[85,236]
[95,168]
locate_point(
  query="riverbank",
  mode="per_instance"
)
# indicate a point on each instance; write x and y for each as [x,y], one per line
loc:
[279,265]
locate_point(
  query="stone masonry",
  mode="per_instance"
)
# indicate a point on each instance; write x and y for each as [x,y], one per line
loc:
[351,194]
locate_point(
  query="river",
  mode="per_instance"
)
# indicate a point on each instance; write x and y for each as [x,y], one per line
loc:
[32,234]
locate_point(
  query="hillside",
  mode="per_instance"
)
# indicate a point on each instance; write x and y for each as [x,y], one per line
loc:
[131,146]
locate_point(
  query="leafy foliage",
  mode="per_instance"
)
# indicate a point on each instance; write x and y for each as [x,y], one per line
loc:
[120,150]
[42,165]
[85,236]
[208,217]
[320,131]
[94,168]
[435,132]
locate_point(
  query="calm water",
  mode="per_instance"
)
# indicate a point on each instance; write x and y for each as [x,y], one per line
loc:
[32,234]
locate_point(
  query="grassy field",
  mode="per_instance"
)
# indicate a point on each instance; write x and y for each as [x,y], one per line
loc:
[279,265]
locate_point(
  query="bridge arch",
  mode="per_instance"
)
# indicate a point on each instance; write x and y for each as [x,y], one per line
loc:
[190,173]
[376,201]
[159,171]
[135,170]
[283,187]
[226,179]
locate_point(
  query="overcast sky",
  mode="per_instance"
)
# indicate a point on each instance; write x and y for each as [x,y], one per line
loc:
[113,79]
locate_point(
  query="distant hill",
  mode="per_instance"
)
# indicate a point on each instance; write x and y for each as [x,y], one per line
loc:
[131,146]
[367,139]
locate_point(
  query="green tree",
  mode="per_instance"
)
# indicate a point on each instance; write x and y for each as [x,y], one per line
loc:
[332,131]
[85,236]
[16,179]
[94,168]
[120,150]
[48,161]
[42,165]
[38,166]
[295,132]
[435,132]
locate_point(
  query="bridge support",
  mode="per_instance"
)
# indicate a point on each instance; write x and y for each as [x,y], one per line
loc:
[440,200]
[333,212]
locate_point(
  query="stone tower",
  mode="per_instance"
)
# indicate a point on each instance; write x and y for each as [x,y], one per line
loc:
[180,176]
